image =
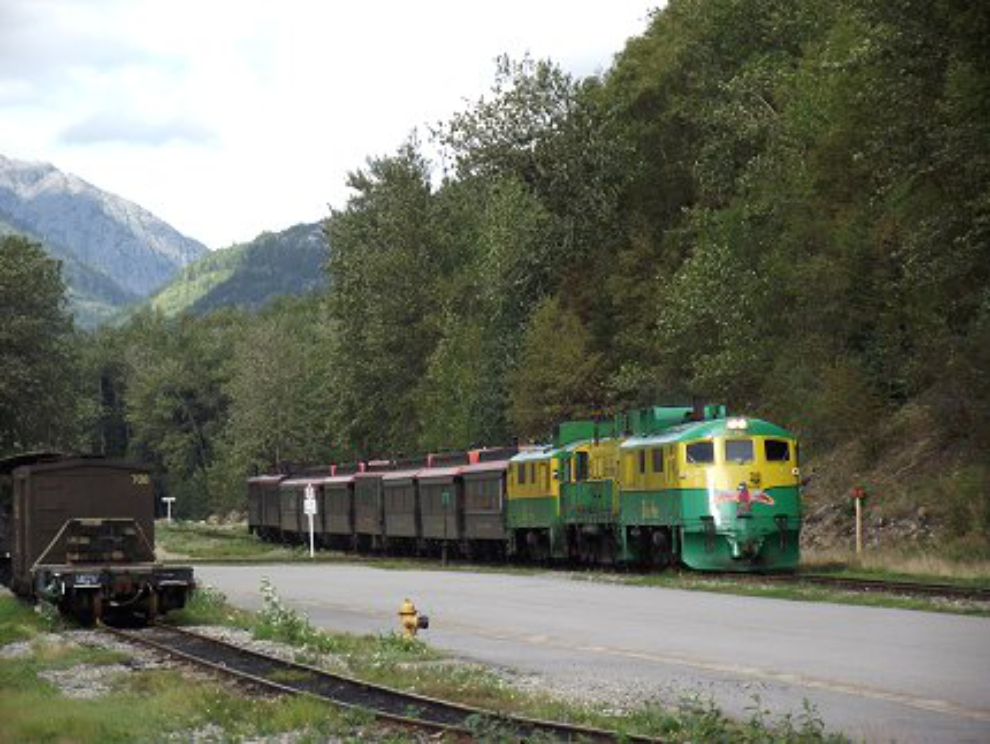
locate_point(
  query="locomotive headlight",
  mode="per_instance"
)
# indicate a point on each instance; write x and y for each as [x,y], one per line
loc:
[737,423]
[87,579]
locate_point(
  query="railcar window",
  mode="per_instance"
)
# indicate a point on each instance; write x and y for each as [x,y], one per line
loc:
[532,473]
[520,474]
[701,453]
[642,461]
[581,467]
[739,450]
[657,455]
[777,450]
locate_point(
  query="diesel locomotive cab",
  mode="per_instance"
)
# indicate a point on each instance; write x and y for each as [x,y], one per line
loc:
[741,506]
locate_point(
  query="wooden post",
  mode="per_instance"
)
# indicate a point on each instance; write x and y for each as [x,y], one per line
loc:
[859,526]
[858,494]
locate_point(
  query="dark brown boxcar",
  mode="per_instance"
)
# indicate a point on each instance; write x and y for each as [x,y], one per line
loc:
[47,495]
[82,535]
[369,513]
[440,504]
[484,505]
[337,505]
[400,503]
[271,521]
[292,520]
[258,487]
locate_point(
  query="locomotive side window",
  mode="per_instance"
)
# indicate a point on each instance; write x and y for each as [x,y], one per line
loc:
[657,455]
[701,453]
[581,469]
[739,450]
[642,461]
[520,474]
[777,450]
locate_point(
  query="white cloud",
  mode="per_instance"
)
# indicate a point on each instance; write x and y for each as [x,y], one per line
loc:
[110,126]
[228,118]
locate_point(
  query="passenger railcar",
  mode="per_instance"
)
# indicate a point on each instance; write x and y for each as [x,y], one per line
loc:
[369,506]
[441,495]
[79,532]
[483,498]
[264,510]
[336,504]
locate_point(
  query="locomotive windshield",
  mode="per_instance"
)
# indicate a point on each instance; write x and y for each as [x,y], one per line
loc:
[777,450]
[739,450]
[701,453]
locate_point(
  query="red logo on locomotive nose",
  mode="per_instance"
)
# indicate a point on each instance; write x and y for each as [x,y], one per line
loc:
[744,497]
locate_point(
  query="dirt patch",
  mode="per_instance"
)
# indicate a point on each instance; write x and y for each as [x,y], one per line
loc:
[899,468]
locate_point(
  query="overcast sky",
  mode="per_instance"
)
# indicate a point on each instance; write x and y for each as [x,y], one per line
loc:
[229,118]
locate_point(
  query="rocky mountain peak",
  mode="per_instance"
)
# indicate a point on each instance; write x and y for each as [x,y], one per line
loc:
[77,220]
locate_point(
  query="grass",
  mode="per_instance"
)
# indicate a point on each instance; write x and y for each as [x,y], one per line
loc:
[807,593]
[196,541]
[147,705]
[898,566]
[22,622]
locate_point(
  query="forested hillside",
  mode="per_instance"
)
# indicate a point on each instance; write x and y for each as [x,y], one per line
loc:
[780,206]
[249,275]
[93,297]
[114,251]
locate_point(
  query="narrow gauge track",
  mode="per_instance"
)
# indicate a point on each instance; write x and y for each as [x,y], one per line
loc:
[910,588]
[396,706]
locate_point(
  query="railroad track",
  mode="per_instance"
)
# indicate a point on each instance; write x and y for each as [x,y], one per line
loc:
[909,588]
[387,704]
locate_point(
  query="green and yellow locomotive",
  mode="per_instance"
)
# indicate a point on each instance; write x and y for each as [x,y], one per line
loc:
[659,486]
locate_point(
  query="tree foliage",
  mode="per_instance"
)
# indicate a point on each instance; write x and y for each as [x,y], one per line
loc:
[37,363]
[780,206]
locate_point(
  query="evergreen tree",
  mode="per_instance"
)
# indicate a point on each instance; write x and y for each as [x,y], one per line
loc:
[37,365]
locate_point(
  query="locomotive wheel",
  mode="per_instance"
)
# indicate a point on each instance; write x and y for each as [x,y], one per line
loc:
[660,553]
[88,608]
[151,606]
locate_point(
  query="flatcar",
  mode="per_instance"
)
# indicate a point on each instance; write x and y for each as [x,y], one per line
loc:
[651,487]
[79,532]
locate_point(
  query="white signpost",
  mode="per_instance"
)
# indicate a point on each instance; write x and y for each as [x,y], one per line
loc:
[309,506]
[168,505]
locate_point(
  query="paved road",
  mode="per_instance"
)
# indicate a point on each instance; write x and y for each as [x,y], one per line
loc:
[875,674]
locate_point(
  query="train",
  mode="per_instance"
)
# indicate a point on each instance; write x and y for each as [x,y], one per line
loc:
[652,487]
[78,532]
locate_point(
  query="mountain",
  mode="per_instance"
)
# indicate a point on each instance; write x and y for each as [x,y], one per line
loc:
[250,274]
[113,250]
[94,298]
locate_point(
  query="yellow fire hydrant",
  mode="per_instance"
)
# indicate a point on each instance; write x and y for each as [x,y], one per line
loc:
[411,620]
